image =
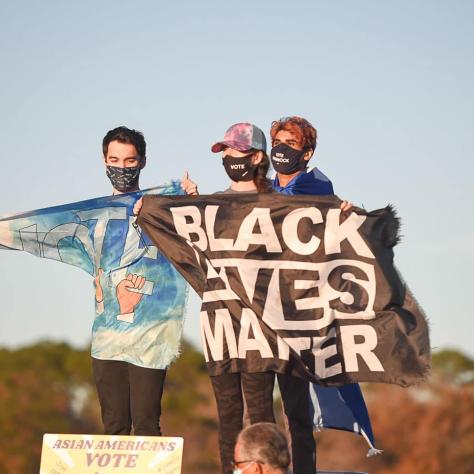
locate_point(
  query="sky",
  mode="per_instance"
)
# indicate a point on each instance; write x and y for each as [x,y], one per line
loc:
[388,85]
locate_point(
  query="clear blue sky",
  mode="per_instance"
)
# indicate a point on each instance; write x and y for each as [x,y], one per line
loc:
[387,84]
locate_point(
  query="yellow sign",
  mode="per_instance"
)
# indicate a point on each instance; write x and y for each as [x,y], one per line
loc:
[101,454]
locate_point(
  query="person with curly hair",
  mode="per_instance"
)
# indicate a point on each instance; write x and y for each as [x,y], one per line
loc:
[293,145]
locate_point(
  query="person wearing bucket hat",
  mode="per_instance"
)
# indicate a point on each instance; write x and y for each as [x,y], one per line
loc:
[244,159]
[246,163]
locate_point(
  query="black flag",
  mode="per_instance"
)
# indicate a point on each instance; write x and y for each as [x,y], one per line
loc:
[293,284]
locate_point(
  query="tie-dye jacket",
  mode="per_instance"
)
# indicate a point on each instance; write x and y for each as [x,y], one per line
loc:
[139,296]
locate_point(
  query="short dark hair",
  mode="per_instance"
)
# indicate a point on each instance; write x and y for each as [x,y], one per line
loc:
[125,135]
[265,443]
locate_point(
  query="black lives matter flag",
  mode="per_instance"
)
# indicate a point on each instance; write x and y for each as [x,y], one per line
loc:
[292,284]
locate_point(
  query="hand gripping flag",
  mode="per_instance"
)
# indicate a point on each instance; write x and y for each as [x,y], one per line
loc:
[139,296]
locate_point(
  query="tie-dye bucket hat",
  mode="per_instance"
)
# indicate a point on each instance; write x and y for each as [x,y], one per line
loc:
[242,137]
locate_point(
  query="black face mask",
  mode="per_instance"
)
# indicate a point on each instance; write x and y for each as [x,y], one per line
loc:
[123,179]
[287,160]
[239,169]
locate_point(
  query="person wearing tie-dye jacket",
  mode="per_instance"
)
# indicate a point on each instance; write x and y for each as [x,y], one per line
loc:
[139,296]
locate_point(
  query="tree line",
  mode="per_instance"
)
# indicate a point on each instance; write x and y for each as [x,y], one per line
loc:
[47,388]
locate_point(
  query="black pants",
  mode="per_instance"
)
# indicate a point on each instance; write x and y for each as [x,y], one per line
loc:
[231,392]
[129,396]
[298,411]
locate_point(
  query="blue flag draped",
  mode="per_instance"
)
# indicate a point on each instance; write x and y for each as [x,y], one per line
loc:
[342,408]
[139,297]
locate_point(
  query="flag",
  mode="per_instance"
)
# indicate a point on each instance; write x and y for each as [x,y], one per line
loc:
[342,408]
[139,296]
[291,284]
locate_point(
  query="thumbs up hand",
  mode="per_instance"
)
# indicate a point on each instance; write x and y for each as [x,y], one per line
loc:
[189,186]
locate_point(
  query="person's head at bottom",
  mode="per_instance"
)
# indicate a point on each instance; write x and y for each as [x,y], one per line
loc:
[261,449]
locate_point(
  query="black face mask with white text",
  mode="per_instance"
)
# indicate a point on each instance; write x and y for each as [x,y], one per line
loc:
[288,160]
[239,169]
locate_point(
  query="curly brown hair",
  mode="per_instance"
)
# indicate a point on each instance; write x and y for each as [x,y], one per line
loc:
[299,127]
